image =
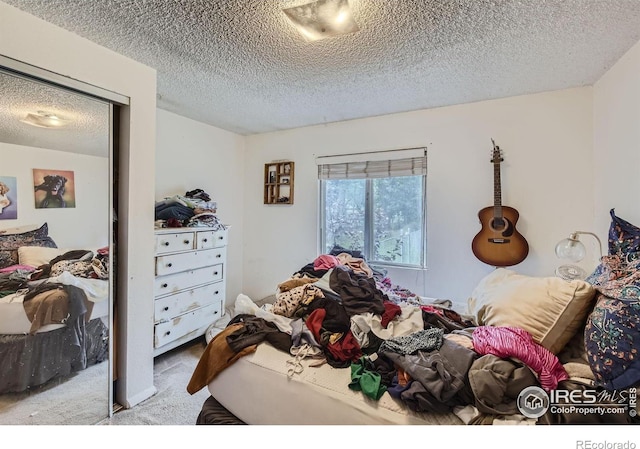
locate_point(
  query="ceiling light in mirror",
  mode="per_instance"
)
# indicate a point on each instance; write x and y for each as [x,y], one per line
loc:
[44,120]
[322,19]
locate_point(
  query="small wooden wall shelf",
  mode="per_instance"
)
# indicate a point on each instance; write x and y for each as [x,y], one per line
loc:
[278,182]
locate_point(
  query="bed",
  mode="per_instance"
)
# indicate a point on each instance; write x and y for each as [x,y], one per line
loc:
[272,361]
[54,309]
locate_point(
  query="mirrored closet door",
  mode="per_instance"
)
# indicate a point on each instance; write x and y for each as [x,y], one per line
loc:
[56,252]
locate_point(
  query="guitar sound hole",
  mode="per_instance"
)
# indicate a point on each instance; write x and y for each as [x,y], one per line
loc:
[498,224]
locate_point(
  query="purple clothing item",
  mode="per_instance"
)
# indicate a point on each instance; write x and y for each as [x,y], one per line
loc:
[507,341]
[325,262]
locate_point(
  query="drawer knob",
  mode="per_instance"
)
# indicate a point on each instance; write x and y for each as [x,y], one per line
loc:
[167,333]
[205,240]
[166,243]
[215,312]
[165,285]
[215,272]
[217,292]
[169,265]
[186,242]
[166,308]
[218,255]
[221,238]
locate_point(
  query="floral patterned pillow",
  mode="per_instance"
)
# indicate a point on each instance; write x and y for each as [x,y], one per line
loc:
[624,238]
[9,243]
[612,342]
[612,331]
[6,259]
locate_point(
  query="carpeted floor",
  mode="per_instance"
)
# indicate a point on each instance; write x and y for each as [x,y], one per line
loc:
[172,404]
[81,399]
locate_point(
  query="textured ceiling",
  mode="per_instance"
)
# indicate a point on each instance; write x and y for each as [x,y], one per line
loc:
[87,129]
[240,64]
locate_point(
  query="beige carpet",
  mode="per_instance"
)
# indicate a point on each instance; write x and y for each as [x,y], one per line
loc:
[171,405]
[81,398]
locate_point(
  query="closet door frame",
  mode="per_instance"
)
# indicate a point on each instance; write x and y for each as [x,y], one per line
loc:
[113,100]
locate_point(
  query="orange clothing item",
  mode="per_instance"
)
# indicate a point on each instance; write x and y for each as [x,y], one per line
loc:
[215,358]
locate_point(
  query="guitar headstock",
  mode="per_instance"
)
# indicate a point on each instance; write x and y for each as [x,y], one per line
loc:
[496,154]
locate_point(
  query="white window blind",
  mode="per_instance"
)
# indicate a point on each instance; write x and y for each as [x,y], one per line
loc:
[382,165]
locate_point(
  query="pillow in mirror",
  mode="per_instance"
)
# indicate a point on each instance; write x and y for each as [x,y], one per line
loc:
[10,243]
[36,256]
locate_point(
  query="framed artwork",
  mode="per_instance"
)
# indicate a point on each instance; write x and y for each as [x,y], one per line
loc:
[53,188]
[8,198]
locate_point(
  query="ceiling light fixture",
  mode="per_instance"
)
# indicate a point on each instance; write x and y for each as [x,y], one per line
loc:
[322,19]
[43,119]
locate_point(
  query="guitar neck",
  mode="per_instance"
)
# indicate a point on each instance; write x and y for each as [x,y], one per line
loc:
[497,191]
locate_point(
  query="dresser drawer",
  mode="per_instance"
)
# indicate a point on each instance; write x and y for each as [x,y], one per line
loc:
[171,306]
[186,323]
[173,283]
[211,239]
[176,263]
[169,243]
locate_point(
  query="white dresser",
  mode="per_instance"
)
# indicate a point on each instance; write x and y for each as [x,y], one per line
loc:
[189,285]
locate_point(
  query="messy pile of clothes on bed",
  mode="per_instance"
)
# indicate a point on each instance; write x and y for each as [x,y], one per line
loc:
[337,310]
[48,300]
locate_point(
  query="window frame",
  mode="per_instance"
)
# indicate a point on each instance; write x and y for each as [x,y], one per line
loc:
[368,231]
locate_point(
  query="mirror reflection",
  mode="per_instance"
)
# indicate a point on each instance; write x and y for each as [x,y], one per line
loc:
[55,244]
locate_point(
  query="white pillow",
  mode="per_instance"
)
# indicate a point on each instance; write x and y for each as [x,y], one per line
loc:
[549,308]
[34,256]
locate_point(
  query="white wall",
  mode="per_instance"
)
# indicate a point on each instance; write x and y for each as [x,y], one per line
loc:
[194,155]
[28,39]
[617,142]
[546,175]
[85,226]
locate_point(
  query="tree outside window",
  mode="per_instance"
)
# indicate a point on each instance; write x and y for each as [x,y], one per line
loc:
[383,217]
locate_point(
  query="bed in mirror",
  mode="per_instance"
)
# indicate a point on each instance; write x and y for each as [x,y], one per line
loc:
[56,253]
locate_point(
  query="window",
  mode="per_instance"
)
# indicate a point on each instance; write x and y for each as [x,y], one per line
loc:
[375,206]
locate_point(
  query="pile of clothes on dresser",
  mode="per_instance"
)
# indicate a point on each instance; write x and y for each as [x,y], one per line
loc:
[193,209]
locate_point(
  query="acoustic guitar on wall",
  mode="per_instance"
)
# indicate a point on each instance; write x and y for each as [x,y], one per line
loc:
[499,243]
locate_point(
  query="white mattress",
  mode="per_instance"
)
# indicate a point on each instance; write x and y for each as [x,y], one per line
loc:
[13,319]
[257,390]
